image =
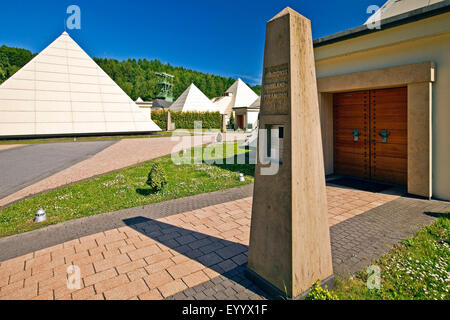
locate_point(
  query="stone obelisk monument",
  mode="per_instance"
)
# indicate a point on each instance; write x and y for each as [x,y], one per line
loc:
[290,240]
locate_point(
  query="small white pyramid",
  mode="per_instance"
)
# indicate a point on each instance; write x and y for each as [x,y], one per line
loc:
[256,104]
[192,99]
[238,95]
[223,102]
[63,91]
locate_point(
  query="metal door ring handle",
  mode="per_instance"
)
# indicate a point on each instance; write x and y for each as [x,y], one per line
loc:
[384,135]
[356,134]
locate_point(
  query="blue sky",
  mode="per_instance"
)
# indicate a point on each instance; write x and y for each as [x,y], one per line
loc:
[220,37]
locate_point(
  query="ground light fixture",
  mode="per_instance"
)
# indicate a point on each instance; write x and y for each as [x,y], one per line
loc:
[241,177]
[40,216]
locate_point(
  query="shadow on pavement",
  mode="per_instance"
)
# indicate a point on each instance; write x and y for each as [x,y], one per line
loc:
[214,253]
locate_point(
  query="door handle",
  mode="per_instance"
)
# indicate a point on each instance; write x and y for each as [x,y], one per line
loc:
[356,134]
[384,135]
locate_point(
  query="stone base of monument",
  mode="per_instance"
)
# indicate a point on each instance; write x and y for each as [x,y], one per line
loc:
[278,294]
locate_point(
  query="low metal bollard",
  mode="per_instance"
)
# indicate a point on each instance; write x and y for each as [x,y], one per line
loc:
[40,216]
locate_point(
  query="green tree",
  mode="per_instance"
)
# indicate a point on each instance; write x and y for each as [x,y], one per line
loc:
[257,89]
[4,66]
[11,60]
[16,56]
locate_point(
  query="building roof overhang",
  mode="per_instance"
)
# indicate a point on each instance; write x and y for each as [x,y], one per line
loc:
[247,108]
[408,17]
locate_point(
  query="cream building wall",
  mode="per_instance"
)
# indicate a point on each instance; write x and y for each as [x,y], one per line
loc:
[252,118]
[425,40]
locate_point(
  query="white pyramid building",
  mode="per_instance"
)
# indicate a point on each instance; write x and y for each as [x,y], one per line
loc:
[256,103]
[62,91]
[238,95]
[193,99]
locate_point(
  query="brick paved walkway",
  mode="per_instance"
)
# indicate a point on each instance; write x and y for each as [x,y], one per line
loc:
[4,147]
[201,253]
[345,203]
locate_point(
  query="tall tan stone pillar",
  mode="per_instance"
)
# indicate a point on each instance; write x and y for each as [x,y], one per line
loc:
[289,240]
[169,121]
[224,124]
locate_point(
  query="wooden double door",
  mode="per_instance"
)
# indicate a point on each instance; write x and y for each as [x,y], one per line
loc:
[370,134]
[240,121]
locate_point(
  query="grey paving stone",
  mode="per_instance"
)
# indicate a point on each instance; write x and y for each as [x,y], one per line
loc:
[210,259]
[227,265]
[200,296]
[212,247]
[200,243]
[186,239]
[231,251]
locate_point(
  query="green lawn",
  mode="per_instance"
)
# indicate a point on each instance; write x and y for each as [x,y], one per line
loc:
[124,189]
[416,269]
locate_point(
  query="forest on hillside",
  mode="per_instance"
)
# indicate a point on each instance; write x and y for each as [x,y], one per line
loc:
[11,60]
[136,77]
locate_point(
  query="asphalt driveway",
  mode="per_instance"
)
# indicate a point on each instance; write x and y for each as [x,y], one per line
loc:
[23,166]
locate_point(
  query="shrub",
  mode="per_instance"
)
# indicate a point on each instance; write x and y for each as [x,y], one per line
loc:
[157,178]
[160,118]
[185,120]
[231,122]
[319,293]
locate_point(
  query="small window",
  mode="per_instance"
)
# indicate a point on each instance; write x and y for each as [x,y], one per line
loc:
[275,142]
[269,140]
[281,132]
